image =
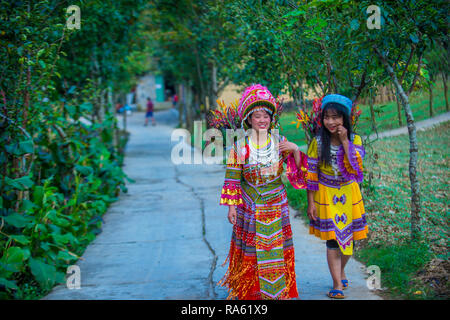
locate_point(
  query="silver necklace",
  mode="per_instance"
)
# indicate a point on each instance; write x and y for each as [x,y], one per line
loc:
[264,155]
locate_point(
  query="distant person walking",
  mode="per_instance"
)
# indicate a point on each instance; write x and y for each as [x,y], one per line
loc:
[118,107]
[174,100]
[149,113]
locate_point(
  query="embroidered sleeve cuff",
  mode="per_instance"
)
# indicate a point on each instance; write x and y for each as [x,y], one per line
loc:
[312,185]
[351,167]
[297,177]
[231,195]
[312,180]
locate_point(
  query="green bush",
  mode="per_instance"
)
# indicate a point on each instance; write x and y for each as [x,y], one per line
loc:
[47,222]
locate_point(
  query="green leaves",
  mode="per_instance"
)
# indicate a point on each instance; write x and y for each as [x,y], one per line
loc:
[21,239]
[42,64]
[59,174]
[8,284]
[317,24]
[46,275]
[62,211]
[354,25]
[20,148]
[291,18]
[14,258]
[295,13]
[84,170]
[17,220]
[22,183]
[67,238]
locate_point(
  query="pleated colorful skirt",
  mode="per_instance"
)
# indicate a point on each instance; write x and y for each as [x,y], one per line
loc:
[261,257]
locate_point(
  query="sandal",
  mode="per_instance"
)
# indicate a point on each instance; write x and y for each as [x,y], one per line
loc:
[344,283]
[336,294]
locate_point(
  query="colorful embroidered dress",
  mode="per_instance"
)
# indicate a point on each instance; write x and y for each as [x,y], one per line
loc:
[338,199]
[261,256]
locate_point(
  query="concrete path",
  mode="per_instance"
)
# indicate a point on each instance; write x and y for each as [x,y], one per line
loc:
[420,125]
[167,238]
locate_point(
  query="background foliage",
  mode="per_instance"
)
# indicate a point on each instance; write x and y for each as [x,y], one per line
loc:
[60,159]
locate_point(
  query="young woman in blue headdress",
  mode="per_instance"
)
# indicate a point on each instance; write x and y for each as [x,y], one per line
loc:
[335,206]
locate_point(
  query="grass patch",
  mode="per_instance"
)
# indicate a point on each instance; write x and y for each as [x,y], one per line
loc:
[399,264]
[388,204]
[388,207]
[290,130]
[297,199]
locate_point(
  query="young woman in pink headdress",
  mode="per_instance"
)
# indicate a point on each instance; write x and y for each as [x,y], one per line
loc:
[261,256]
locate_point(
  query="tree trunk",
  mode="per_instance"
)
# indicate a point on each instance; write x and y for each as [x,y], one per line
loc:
[189,109]
[181,104]
[293,89]
[383,94]
[389,93]
[444,80]
[413,149]
[430,90]
[26,103]
[110,103]
[332,83]
[302,93]
[101,109]
[399,109]
[200,97]
[372,112]
[124,120]
[213,95]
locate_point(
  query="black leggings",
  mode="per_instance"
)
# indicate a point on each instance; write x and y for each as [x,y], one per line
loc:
[332,244]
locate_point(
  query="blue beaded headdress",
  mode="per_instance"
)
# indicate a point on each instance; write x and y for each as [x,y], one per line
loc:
[337,98]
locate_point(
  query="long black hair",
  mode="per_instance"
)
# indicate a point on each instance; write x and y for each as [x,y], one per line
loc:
[324,133]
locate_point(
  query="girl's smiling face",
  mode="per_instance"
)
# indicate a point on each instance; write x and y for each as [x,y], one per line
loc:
[331,120]
[260,120]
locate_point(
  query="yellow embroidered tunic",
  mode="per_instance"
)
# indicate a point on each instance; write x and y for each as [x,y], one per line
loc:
[338,199]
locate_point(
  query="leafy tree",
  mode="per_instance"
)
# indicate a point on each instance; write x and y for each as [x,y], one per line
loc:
[58,171]
[410,28]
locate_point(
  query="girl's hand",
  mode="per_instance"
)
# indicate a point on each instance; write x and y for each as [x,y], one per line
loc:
[312,212]
[342,134]
[287,146]
[232,214]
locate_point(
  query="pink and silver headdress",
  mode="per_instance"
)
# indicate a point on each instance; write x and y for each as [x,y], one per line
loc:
[255,97]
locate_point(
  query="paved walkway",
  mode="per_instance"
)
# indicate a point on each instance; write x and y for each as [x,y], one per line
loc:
[168,237]
[420,125]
